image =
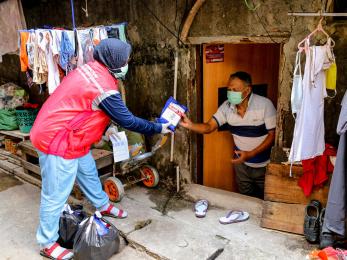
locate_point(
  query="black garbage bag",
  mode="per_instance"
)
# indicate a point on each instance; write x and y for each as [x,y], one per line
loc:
[96,240]
[70,219]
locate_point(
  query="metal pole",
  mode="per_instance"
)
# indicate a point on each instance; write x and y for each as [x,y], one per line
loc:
[174,96]
[178,178]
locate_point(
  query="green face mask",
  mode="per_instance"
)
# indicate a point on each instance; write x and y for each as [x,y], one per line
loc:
[120,73]
[234,97]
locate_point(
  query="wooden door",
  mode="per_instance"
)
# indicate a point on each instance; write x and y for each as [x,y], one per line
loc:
[262,62]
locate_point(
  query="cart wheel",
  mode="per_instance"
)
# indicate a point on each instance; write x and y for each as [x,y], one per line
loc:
[151,174]
[114,189]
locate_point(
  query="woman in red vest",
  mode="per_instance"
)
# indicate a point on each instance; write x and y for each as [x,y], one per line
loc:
[70,121]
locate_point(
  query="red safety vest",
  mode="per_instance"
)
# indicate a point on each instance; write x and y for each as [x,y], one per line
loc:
[70,121]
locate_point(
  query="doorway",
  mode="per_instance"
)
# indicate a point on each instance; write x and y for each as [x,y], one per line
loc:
[218,62]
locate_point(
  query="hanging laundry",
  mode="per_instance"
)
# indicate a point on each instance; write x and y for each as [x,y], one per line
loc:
[23,56]
[331,76]
[30,47]
[86,48]
[296,95]
[51,53]
[308,138]
[66,50]
[40,71]
[52,67]
[103,33]
[315,170]
[99,34]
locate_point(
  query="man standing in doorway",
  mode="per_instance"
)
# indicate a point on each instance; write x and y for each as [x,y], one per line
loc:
[252,121]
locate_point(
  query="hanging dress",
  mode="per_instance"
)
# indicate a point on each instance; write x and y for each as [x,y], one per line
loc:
[308,138]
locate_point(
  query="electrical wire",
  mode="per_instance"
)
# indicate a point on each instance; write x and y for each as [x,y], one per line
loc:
[160,22]
[176,16]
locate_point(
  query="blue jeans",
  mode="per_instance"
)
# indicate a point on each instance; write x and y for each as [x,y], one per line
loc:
[58,177]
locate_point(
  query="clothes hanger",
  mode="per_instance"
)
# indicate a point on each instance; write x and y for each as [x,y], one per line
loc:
[319,28]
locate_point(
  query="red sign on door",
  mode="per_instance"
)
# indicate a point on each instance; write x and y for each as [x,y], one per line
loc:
[214,53]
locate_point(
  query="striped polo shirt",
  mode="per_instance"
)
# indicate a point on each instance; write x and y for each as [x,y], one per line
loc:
[250,130]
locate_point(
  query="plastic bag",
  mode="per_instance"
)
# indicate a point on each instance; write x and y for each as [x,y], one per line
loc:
[172,113]
[297,90]
[69,225]
[96,239]
[8,119]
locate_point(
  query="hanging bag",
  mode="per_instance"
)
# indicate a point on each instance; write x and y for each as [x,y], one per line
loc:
[297,91]
[331,72]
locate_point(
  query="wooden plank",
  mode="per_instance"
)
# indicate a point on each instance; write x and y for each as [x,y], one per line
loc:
[283,216]
[235,39]
[284,170]
[16,133]
[99,153]
[22,175]
[280,187]
[31,167]
[7,166]
[102,158]
[28,148]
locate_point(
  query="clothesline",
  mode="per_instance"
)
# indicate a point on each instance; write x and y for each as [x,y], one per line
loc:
[316,14]
[49,54]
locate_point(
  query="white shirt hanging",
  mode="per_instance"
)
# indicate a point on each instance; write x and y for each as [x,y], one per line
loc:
[308,139]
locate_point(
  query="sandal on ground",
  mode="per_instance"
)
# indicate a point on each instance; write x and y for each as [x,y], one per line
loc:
[234,216]
[312,221]
[200,208]
[56,252]
[108,213]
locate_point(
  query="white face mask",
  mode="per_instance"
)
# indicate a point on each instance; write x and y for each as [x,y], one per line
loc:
[120,73]
[296,96]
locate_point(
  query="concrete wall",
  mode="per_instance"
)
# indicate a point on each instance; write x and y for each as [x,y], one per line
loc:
[150,79]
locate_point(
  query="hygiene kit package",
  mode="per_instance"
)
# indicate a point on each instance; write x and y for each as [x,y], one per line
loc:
[172,113]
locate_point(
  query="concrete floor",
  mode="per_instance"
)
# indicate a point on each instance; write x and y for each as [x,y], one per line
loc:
[160,226]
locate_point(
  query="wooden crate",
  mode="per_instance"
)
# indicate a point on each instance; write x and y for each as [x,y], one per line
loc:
[283,216]
[279,187]
[285,202]
[102,158]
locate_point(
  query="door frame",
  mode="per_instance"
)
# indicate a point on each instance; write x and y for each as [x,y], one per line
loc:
[197,44]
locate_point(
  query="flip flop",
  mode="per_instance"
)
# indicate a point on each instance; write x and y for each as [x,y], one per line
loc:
[107,213]
[200,208]
[56,252]
[234,216]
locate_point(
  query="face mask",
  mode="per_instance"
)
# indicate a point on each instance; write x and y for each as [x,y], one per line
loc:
[296,95]
[235,97]
[120,73]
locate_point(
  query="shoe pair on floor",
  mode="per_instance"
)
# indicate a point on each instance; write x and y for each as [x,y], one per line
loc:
[233,216]
[313,224]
